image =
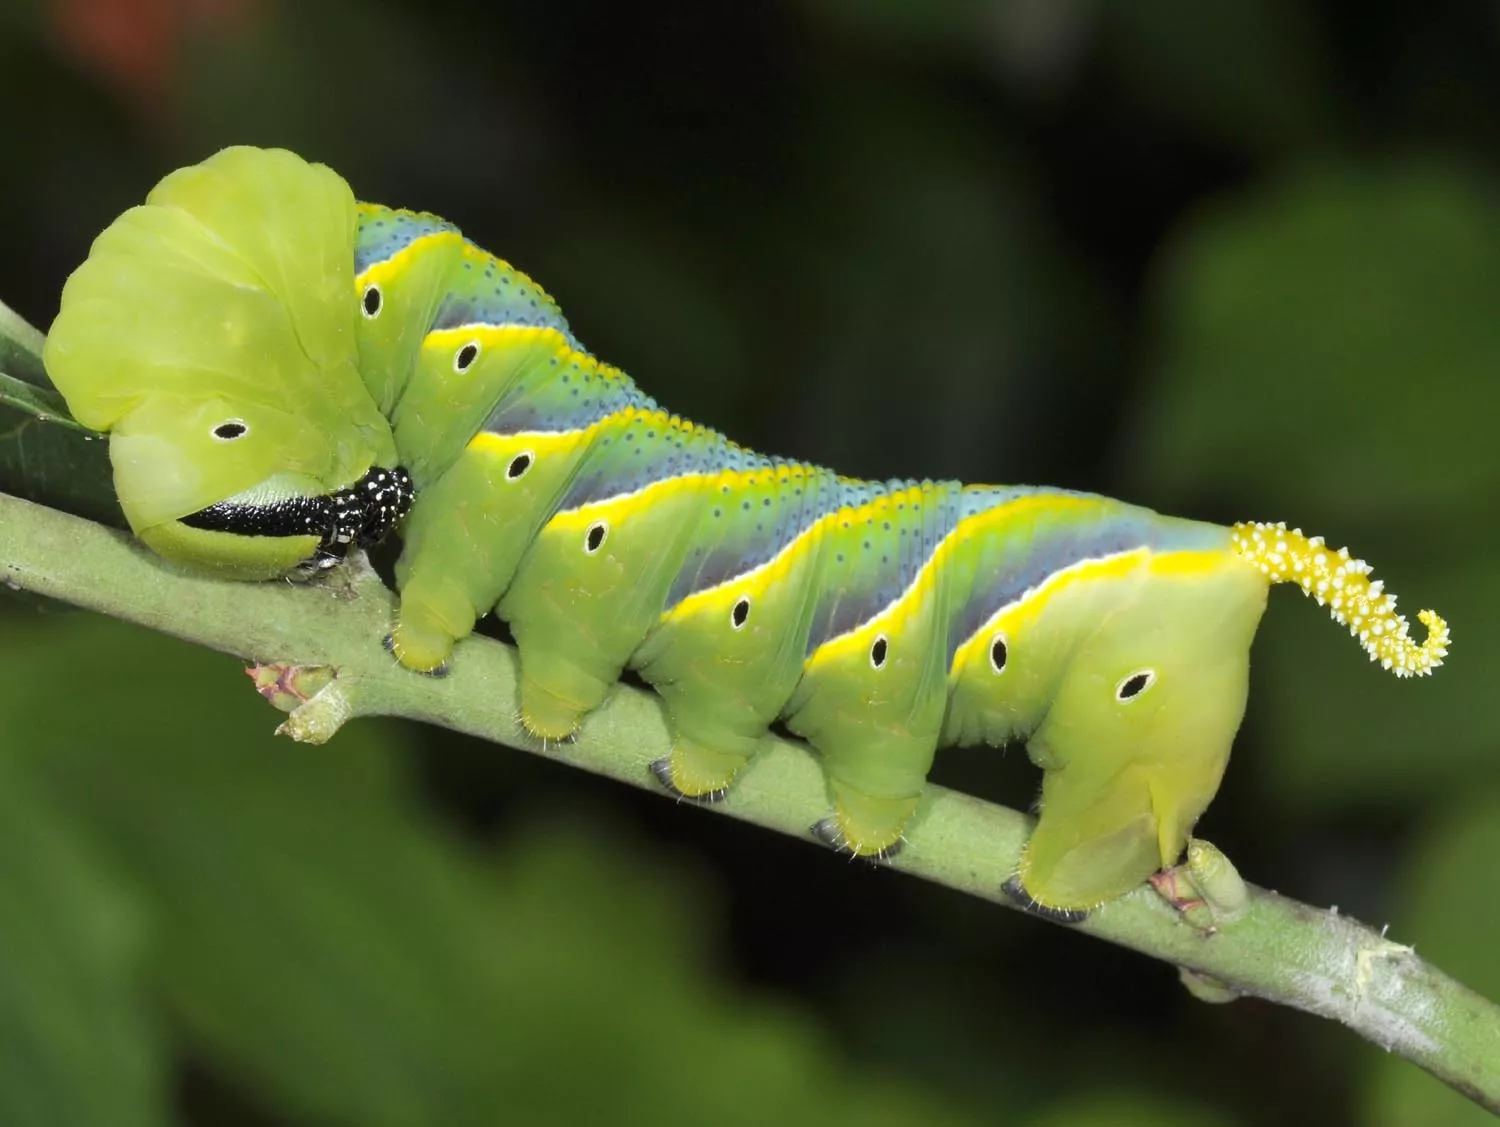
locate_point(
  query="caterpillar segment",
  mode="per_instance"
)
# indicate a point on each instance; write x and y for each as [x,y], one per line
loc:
[879,621]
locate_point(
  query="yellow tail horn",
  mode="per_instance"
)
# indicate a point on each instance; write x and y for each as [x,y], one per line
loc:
[1344,585]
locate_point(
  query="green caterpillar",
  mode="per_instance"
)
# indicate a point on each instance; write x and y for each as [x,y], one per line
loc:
[286,374]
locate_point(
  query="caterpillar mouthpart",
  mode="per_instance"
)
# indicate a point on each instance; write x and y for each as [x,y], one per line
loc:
[360,516]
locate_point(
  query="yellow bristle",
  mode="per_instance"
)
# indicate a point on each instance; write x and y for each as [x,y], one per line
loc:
[1343,584]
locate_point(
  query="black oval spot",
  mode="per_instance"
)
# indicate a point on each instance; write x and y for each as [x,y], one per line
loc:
[1134,685]
[231,430]
[740,613]
[466,356]
[998,655]
[371,301]
[878,651]
[518,466]
[595,537]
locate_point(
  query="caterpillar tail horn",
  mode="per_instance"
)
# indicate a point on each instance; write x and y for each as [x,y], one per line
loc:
[1343,584]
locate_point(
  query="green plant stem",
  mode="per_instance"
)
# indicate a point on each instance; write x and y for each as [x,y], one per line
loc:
[1278,949]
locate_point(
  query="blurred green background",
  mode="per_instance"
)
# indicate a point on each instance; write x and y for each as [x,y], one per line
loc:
[1237,260]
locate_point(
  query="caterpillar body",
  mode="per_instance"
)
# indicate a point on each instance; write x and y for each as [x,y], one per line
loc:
[286,373]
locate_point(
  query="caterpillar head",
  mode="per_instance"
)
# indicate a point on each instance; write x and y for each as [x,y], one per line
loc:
[211,333]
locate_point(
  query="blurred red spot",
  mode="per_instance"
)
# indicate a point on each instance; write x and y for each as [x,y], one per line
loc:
[136,45]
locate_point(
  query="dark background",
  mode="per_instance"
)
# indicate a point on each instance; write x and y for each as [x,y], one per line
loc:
[1236,261]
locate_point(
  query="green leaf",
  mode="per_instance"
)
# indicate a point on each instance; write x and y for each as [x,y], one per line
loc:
[1450,911]
[78,1040]
[21,348]
[45,456]
[1329,346]
[325,943]
[46,404]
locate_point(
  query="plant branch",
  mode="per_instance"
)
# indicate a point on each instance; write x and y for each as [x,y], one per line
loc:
[320,655]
